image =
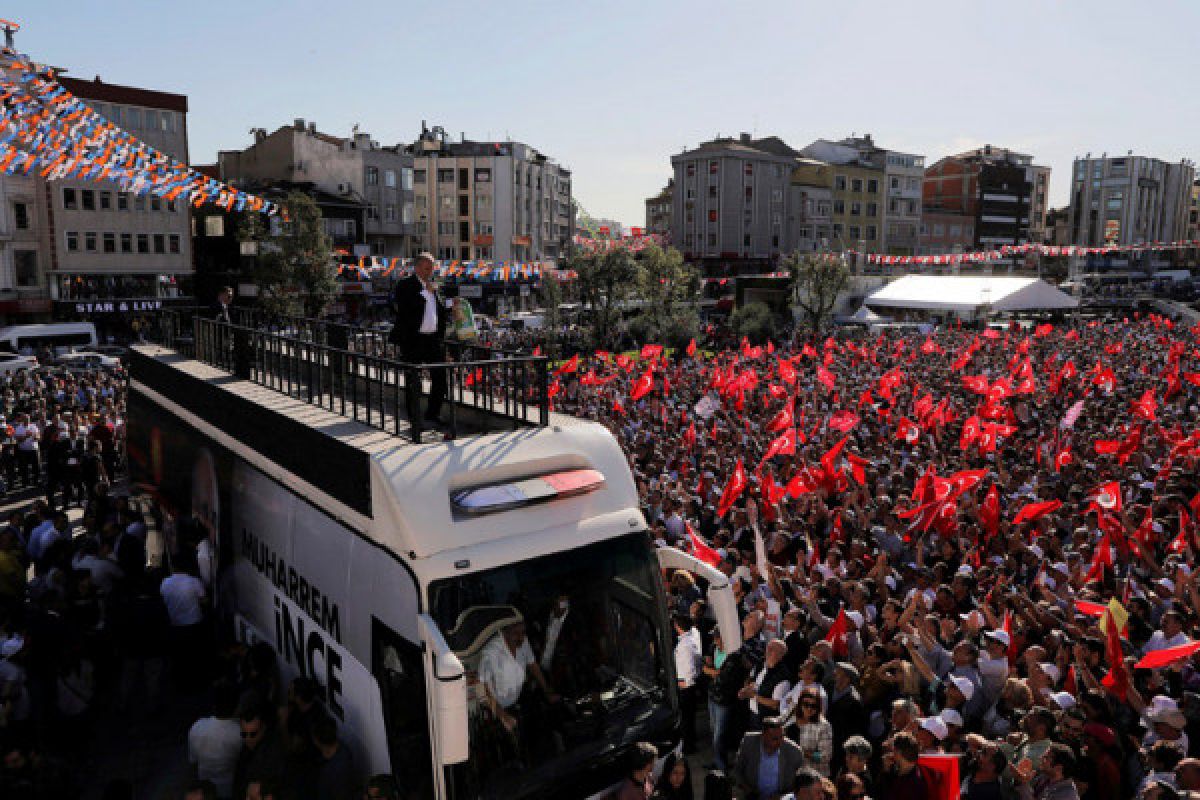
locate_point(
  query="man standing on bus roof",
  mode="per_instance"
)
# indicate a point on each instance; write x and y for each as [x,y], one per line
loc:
[221,308]
[419,333]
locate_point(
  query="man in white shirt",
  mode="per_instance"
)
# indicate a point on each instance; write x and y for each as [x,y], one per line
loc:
[689,656]
[506,663]
[1170,634]
[215,742]
[26,434]
[185,598]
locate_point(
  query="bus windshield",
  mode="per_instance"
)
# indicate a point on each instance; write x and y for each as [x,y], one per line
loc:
[565,662]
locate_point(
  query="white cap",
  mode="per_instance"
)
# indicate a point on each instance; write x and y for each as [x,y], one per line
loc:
[1037,551]
[1064,700]
[963,685]
[999,636]
[935,725]
[965,569]
[1051,671]
[856,617]
[891,582]
[1061,567]
[951,717]
[1166,583]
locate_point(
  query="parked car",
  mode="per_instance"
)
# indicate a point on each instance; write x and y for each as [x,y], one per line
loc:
[88,359]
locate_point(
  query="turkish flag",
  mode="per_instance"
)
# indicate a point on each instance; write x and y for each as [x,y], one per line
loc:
[786,418]
[691,348]
[733,489]
[652,351]
[941,776]
[701,550]
[989,511]
[843,421]
[976,383]
[785,445]
[1117,679]
[1044,329]
[1161,658]
[1034,511]
[689,436]
[826,378]
[1146,405]
[839,635]
[1107,496]
[907,431]
[830,459]
[787,373]
[1101,561]
[570,365]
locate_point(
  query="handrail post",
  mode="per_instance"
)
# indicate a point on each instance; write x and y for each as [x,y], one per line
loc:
[544,389]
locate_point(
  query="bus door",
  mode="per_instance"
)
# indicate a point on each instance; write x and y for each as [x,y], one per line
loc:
[720,593]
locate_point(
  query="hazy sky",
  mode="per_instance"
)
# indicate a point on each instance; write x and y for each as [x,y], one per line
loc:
[613,89]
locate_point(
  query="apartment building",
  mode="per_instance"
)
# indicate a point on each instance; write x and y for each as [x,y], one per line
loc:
[730,202]
[111,253]
[376,180]
[658,211]
[24,249]
[490,200]
[1126,200]
[869,178]
[810,206]
[1193,224]
[990,197]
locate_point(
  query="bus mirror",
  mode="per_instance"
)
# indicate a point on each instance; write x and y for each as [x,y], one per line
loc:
[449,690]
[720,593]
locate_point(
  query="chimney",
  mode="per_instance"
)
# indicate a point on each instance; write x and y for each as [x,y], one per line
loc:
[312,128]
[745,138]
[298,124]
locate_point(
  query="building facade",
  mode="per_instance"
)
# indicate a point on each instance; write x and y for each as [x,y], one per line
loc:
[490,200]
[658,211]
[1128,200]
[1193,226]
[24,249]
[356,169]
[999,194]
[110,254]
[810,207]
[876,194]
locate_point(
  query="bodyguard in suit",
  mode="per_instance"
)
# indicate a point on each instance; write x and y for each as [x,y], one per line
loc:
[767,762]
[419,334]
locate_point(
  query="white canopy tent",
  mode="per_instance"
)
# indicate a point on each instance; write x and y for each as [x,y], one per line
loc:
[970,294]
[864,316]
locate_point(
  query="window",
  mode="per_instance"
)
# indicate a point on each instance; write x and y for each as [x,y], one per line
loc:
[777,195]
[389,178]
[214,225]
[839,183]
[88,199]
[712,240]
[446,228]
[372,176]
[126,242]
[894,183]
[399,668]
[775,241]
[122,201]
[372,210]
[856,184]
[837,229]
[872,209]
[89,241]
[139,202]
[21,215]
[856,209]
[691,193]
[133,118]
[25,263]
[105,201]
[712,191]
[839,206]
[447,203]
[464,205]
[160,243]
[872,186]
[483,202]
[714,167]
[939,229]
[483,175]
[69,201]
[407,217]
[418,176]
[171,206]
[114,115]
[956,230]
[712,215]
[173,243]
[913,184]
[691,169]
[870,233]
[143,243]
[855,233]
[389,212]
[110,243]
[72,242]
[483,228]
[155,203]
[445,176]
[749,171]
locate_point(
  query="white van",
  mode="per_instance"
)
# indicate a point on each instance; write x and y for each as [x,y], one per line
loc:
[58,336]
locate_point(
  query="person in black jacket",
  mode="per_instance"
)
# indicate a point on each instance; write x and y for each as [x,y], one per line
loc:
[419,333]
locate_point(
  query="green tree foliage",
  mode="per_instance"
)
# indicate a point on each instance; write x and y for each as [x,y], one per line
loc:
[754,321]
[668,290]
[293,263]
[606,283]
[550,293]
[815,283]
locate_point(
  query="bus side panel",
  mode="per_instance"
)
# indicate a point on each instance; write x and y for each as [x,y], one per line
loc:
[284,570]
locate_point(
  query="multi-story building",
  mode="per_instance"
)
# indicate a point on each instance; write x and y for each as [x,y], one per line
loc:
[658,211]
[810,206]
[730,202]
[876,194]
[992,195]
[378,180]
[1193,227]
[1058,227]
[490,200]
[112,254]
[24,249]
[1128,200]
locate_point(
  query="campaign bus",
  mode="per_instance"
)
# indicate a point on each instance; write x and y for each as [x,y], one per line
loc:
[401,577]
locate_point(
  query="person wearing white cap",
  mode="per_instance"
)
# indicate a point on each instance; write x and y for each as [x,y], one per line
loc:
[993,664]
[931,731]
[1166,723]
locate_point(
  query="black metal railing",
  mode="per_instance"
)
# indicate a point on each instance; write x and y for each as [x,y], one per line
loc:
[330,365]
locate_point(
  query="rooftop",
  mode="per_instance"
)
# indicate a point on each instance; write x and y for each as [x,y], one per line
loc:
[100,91]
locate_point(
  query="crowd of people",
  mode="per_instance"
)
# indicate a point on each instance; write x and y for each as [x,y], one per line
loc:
[955,556]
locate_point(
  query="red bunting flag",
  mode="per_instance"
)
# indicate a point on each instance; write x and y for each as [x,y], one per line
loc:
[1034,511]
[1161,658]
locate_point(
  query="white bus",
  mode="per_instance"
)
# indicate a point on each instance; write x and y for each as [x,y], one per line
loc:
[55,336]
[388,571]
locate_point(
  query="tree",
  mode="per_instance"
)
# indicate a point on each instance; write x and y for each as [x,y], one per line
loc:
[754,321]
[606,281]
[814,283]
[293,263]
[669,289]
[550,293]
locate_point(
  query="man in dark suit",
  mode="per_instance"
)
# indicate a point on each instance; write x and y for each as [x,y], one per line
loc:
[419,333]
[766,762]
[846,714]
[221,307]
